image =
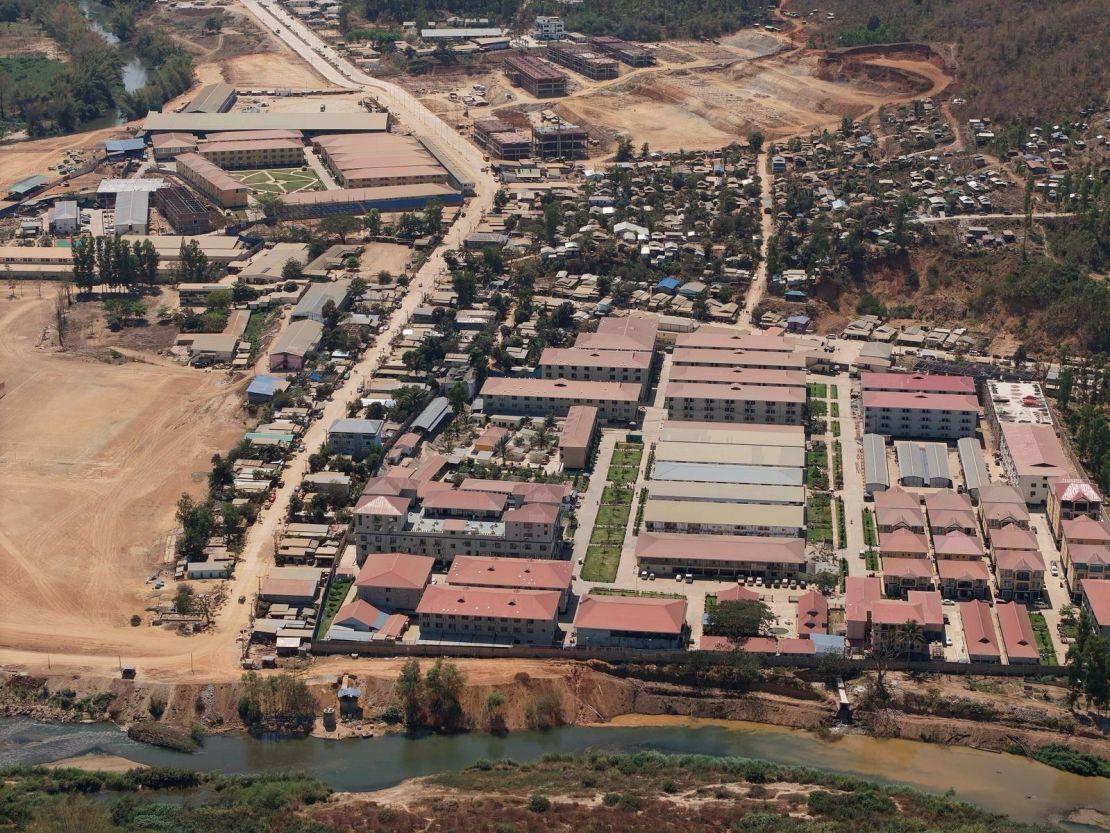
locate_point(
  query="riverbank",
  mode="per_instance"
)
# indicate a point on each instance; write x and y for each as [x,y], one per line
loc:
[1009,714]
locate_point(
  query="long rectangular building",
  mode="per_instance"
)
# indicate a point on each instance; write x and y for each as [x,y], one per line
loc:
[484,614]
[735,403]
[732,454]
[615,401]
[738,376]
[916,415]
[577,363]
[633,54]
[726,492]
[308,122]
[721,556]
[535,76]
[707,518]
[710,339]
[753,359]
[731,433]
[212,181]
[248,151]
[308,205]
[583,59]
[1032,455]
[377,160]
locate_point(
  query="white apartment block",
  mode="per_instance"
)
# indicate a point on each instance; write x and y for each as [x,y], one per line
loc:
[735,403]
[615,401]
[580,364]
[933,416]
[549,28]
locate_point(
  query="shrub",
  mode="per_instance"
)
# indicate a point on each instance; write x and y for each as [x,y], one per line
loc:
[156,706]
[612,799]
[539,803]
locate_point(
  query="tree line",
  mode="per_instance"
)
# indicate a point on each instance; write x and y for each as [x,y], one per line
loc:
[114,263]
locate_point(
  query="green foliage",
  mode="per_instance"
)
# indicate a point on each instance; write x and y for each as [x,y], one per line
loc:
[1070,760]
[539,803]
[157,734]
[739,618]
[280,704]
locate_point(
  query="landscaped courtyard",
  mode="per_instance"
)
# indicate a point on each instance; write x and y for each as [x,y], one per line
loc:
[280,180]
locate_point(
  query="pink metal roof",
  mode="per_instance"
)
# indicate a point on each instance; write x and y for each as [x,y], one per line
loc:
[561,389]
[709,339]
[737,593]
[1013,537]
[396,570]
[1073,489]
[963,570]
[957,544]
[739,375]
[907,567]
[528,492]
[383,505]
[586,357]
[897,498]
[914,382]
[920,401]
[1097,594]
[1086,530]
[738,358]
[979,629]
[1017,632]
[1088,553]
[358,610]
[1036,449]
[532,513]
[458,500]
[753,548]
[1018,560]
[789,645]
[813,613]
[579,426]
[949,502]
[1000,493]
[631,614]
[525,573]
[902,540]
[735,392]
[539,605]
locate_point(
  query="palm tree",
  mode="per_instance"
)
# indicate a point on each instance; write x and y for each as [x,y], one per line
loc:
[909,637]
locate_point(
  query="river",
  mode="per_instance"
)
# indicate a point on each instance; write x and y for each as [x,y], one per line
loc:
[135,75]
[1022,788]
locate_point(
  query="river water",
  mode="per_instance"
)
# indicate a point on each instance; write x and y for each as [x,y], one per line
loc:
[1024,789]
[135,75]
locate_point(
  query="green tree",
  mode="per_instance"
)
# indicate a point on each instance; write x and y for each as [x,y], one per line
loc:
[192,264]
[410,691]
[465,287]
[909,638]
[755,141]
[372,222]
[339,225]
[292,270]
[552,219]
[443,684]
[271,205]
[739,618]
[197,522]
[457,396]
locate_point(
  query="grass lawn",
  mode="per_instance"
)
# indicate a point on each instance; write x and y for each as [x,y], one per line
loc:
[817,390]
[628,454]
[611,495]
[819,519]
[336,594]
[835,392]
[817,407]
[616,515]
[623,474]
[280,180]
[836,429]
[601,563]
[1044,639]
[872,561]
[607,535]
[834,410]
[869,536]
[259,321]
[817,458]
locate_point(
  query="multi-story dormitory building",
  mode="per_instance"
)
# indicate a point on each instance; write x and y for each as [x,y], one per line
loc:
[445,522]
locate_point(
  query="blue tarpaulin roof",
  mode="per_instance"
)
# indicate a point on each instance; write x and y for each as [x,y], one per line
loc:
[263,385]
[667,283]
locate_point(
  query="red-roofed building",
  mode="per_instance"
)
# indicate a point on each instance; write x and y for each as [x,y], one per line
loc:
[748,644]
[1032,456]
[358,619]
[813,614]
[1085,551]
[1001,505]
[979,633]
[1013,537]
[901,575]
[737,593]
[963,579]
[1017,634]
[577,437]
[1068,498]
[895,508]
[1095,594]
[508,573]
[789,646]
[720,556]
[456,503]
[957,546]
[481,614]
[1019,574]
[901,543]
[949,511]
[941,416]
[917,383]
[631,622]
[394,580]
[887,620]
[859,594]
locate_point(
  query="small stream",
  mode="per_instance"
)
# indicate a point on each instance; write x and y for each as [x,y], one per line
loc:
[135,75]
[1022,788]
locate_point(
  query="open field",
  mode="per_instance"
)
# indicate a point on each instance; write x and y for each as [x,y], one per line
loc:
[780,95]
[280,180]
[93,456]
[22,159]
[23,38]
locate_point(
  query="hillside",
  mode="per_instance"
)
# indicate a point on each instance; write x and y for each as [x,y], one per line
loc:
[1019,61]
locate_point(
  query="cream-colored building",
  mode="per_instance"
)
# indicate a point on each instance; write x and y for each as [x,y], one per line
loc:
[735,403]
[705,518]
[212,181]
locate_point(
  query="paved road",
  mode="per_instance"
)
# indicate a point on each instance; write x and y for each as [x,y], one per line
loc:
[852,493]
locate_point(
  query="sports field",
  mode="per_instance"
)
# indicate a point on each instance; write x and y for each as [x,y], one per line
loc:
[280,180]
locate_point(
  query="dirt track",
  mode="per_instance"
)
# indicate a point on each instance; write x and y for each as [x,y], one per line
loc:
[93,457]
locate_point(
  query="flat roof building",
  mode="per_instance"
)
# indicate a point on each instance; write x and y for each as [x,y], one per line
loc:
[183,211]
[537,77]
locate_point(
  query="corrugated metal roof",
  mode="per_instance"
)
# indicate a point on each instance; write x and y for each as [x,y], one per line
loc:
[722,473]
[975,472]
[430,418]
[309,122]
[874,460]
[925,461]
[132,208]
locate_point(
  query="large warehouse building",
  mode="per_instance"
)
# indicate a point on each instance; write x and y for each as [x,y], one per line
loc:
[378,160]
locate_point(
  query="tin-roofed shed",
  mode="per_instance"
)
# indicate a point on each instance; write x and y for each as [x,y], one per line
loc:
[876,476]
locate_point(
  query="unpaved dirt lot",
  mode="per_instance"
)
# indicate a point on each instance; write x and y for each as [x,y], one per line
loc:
[776,95]
[93,456]
[22,159]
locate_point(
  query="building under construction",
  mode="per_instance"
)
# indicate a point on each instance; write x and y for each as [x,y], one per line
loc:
[584,60]
[559,141]
[632,54]
[501,140]
[183,210]
[535,76]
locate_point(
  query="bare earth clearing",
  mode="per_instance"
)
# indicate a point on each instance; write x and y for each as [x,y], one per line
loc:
[93,457]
